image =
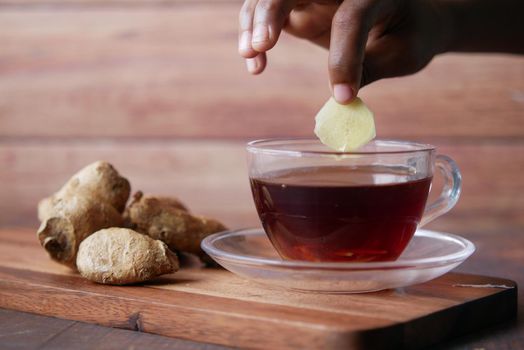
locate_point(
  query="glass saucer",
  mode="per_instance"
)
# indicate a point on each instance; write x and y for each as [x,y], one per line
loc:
[249,254]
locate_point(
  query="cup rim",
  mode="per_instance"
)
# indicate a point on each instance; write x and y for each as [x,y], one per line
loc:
[261,146]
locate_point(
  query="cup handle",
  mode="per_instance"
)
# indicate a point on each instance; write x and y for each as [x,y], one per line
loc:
[450,192]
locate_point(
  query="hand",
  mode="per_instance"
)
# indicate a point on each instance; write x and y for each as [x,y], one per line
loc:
[367,39]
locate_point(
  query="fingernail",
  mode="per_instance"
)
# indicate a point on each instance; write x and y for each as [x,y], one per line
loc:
[244,44]
[251,64]
[343,93]
[260,34]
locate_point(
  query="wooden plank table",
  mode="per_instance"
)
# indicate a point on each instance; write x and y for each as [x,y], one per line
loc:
[498,255]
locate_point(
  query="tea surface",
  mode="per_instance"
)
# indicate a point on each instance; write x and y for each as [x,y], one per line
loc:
[340,213]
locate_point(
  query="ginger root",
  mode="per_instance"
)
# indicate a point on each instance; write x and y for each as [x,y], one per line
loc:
[101,179]
[166,219]
[345,128]
[93,199]
[123,256]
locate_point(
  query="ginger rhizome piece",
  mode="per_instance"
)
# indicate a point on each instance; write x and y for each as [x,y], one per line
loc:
[345,127]
[166,219]
[93,199]
[123,256]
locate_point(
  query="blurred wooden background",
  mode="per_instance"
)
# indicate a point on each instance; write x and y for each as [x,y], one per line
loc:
[157,88]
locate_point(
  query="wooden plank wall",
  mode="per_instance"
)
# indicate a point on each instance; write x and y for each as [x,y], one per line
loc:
[157,88]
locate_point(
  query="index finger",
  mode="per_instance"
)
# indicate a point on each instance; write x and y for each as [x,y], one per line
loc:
[245,29]
[268,22]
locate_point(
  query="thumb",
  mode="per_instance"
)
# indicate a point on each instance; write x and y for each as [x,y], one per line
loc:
[349,34]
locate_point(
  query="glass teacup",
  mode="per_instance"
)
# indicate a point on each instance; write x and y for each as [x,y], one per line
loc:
[316,204]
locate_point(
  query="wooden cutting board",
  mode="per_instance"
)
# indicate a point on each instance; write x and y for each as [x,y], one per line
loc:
[213,305]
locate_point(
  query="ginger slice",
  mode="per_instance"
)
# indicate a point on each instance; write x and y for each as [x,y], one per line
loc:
[345,127]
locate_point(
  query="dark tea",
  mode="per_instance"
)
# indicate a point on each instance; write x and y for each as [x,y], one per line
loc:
[336,213]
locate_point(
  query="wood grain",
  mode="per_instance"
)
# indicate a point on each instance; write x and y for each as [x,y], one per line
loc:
[29,331]
[213,305]
[158,72]
[497,255]
[211,177]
